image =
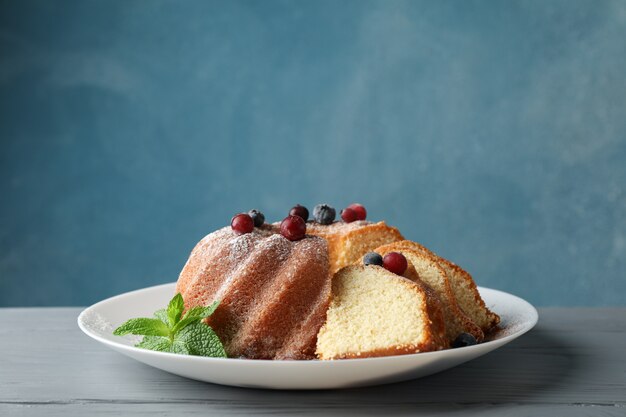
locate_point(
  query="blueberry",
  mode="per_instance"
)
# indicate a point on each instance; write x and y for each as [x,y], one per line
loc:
[464,339]
[258,217]
[324,214]
[373,258]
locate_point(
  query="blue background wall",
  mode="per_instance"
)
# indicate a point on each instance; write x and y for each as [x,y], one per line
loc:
[493,132]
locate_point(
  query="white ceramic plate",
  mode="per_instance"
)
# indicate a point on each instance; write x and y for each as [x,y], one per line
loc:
[99,320]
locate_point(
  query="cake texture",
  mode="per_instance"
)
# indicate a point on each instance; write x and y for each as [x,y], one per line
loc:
[374,312]
[429,271]
[273,292]
[464,289]
[348,242]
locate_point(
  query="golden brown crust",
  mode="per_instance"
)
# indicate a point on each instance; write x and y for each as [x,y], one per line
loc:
[348,242]
[485,318]
[390,351]
[434,307]
[456,320]
[492,319]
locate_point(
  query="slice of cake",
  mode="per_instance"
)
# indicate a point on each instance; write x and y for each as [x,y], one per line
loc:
[348,242]
[464,289]
[374,312]
[431,273]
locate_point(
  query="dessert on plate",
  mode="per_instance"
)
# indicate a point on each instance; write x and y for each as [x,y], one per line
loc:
[329,289]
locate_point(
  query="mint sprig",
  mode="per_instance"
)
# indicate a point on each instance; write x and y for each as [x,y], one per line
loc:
[171,331]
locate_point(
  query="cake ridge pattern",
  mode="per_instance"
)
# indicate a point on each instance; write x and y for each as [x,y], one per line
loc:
[273,292]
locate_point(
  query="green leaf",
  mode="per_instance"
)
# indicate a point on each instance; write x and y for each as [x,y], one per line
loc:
[199,339]
[179,346]
[159,343]
[175,309]
[195,314]
[166,332]
[202,312]
[143,326]
[208,310]
[162,315]
[184,323]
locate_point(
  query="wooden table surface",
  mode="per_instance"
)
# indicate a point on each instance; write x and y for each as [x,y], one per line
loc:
[572,364]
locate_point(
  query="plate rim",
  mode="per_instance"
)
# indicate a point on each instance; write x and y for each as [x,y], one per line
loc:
[529,325]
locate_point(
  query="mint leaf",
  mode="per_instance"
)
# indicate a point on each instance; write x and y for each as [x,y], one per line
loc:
[144,327]
[202,312]
[162,315]
[163,344]
[155,343]
[167,332]
[195,314]
[179,347]
[199,339]
[175,309]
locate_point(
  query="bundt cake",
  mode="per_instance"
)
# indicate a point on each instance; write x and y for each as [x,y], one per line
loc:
[299,290]
[374,312]
[464,289]
[348,242]
[432,274]
[273,292]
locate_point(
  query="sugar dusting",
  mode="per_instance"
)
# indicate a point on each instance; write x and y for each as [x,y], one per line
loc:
[240,246]
[279,244]
[252,273]
[509,323]
[336,227]
[260,240]
[95,322]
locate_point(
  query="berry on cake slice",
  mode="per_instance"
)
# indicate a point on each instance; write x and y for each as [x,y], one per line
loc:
[395,262]
[242,223]
[373,258]
[293,227]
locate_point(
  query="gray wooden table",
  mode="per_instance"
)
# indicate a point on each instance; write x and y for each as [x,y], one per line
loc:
[572,364]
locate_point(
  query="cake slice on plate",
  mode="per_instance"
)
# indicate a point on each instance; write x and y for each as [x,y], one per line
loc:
[374,312]
[463,287]
[432,274]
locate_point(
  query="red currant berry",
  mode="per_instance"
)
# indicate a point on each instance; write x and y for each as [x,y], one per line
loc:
[242,223]
[301,211]
[395,262]
[293,227]
[348,215]
[361,213]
